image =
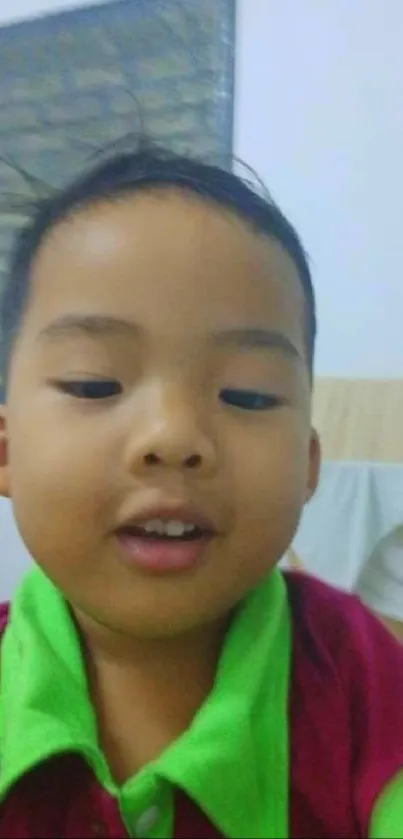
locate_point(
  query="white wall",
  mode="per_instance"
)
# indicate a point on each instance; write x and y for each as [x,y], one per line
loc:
[319,113]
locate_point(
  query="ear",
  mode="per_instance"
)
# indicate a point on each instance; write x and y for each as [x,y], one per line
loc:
[4,468]
[314,465]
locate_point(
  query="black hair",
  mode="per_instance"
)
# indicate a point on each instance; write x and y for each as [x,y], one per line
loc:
[126,172]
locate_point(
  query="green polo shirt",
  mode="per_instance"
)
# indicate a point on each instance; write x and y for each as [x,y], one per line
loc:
[232,761]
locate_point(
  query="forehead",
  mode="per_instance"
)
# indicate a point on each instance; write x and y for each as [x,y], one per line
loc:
[168,259]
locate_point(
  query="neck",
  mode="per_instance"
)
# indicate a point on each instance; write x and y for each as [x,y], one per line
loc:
[147,692]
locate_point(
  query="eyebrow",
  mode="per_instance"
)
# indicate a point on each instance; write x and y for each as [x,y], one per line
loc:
[95,326]
[92,325]
[256,338]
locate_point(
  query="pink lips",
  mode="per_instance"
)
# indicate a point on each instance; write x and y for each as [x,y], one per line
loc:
[164,555]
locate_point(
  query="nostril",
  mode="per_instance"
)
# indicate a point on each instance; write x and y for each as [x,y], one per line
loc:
[151,459]
[193,462]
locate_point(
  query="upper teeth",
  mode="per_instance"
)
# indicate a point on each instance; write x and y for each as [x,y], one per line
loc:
[167,528]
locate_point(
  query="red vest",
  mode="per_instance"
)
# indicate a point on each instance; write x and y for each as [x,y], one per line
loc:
[346,735]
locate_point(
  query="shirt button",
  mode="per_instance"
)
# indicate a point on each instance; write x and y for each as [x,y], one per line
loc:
[147,821]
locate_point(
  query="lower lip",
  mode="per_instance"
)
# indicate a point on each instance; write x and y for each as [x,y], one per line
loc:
[157,556]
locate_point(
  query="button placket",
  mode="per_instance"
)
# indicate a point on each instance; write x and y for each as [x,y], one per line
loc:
[142,803]
[146,822]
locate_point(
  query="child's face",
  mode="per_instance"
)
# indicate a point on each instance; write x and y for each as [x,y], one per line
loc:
[178,275]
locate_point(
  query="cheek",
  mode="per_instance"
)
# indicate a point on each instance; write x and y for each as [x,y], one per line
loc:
[270,476]
[58,502]
[276,455]
[57,477]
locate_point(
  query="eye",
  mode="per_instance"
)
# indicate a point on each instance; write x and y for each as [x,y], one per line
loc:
[91,388]
[249,400]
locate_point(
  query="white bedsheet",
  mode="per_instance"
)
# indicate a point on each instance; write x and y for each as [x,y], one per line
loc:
[351,533]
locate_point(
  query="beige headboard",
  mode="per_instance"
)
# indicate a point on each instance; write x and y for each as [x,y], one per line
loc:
[360,419]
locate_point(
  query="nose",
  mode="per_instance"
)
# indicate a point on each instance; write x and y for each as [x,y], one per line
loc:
[170,434]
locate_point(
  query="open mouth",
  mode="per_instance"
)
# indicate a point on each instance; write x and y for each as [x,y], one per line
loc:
[175,532]
[164,546]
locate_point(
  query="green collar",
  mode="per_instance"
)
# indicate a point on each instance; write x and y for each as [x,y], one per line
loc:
[233,761]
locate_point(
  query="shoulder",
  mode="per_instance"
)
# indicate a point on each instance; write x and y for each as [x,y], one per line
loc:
[306,592]
[335,633]
[336,626]
[348,670]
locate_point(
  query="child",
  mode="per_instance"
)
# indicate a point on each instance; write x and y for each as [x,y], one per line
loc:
[158,677]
